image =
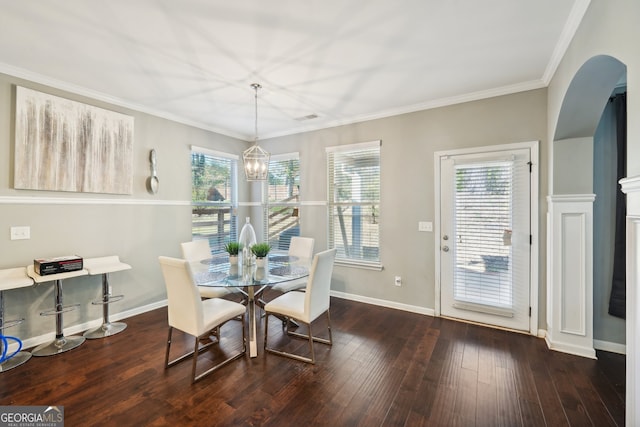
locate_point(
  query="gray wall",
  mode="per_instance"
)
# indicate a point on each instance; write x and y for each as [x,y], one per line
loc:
[137,227]
[571,166]
[407,170]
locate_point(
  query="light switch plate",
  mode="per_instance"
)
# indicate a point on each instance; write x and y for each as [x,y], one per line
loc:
[425,226]
[21,233]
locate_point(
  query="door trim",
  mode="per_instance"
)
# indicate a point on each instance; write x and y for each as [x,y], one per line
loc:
[533,147]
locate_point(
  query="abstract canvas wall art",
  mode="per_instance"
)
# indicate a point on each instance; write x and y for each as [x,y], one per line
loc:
[64,145]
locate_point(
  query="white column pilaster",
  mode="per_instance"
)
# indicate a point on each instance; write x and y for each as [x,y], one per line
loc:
[570,274]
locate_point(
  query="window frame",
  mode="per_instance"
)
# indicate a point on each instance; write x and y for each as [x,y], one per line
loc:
[268,204]
[331,203]
[231,203]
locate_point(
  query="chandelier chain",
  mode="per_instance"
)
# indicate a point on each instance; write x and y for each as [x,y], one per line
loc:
[256,86]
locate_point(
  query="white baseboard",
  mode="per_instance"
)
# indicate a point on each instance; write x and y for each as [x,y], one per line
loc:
[611,347]
[384,303]
[76,329]
[570,348]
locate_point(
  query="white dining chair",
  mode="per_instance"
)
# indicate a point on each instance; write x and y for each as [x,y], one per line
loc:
[190,314]
[301,247]
[199,250]
[305,307]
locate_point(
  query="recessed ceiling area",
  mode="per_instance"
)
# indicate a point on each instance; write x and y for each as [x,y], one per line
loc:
[193,61]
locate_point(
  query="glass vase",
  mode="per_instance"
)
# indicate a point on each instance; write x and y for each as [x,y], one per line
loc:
[247,240]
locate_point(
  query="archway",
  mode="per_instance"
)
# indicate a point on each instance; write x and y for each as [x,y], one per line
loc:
[571,207]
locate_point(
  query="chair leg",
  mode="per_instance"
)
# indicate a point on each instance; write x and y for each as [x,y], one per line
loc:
[195,378]
[316,339]
[266,329]
[195,361]
[198,349]
[329,328]
[313,354]
[168,363]
[308,336]
[166,357]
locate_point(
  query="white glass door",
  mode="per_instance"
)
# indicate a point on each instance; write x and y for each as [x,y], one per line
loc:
[485,237]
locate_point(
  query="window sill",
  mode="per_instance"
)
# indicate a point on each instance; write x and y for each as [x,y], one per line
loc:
[359,264]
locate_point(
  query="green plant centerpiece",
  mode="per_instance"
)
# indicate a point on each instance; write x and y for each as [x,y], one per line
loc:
[232,248]
[260,250]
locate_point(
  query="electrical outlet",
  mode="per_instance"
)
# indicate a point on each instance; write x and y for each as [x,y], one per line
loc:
[398,281]
[21,233]
[425,226]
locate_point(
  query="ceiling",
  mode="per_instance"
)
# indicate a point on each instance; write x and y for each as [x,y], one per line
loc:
[343,61]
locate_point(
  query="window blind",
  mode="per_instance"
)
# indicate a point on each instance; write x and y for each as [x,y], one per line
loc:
[282,204]
[354,201]
[213,195]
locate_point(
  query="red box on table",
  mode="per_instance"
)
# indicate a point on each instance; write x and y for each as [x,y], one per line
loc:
[63,264]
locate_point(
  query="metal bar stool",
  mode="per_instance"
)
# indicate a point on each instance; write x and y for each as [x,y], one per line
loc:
[12,278]
[104,266]
[61,343]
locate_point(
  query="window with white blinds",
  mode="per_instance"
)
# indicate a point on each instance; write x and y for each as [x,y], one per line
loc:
[213,197]
[282,204]
[354,202]
[484,211]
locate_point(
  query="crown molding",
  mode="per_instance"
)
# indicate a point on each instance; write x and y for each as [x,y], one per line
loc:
[571,26]
[21,73]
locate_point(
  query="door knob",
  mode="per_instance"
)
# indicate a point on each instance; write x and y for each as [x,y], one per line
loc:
[445,249]
[445,237]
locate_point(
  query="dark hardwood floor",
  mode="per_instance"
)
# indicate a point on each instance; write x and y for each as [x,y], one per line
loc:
[386,368]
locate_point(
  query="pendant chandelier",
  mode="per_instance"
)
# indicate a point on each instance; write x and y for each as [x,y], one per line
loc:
[256,160]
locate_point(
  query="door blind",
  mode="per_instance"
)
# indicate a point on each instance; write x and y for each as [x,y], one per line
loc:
[483,233]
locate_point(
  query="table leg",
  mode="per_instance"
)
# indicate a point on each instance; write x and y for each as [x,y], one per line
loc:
[253,339]
[61,343]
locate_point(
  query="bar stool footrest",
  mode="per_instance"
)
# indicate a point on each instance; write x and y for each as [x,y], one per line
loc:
[65,309]
[113,298]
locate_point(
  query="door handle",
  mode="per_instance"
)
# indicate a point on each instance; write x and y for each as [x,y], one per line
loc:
[445,237]
[445,249]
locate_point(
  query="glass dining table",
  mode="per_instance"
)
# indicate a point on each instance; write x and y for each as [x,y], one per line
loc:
[251,280]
